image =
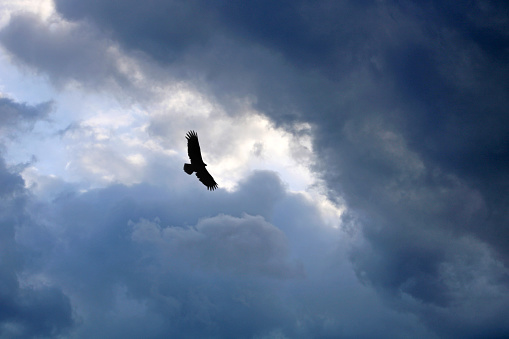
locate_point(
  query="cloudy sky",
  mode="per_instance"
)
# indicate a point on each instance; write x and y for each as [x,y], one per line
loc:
[361,150]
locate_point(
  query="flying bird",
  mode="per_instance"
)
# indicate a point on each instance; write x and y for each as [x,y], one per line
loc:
[197,165]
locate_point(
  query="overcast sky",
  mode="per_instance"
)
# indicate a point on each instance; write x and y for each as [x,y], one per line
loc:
[361,150]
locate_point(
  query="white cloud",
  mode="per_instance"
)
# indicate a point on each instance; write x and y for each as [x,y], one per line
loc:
[43,8]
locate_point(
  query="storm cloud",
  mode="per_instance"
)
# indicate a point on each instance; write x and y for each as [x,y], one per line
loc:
[405,105]
[29,308]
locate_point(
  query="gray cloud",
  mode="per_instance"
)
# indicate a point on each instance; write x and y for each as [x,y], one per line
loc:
[408,106]
[142,260]
[69,54]
[247,245]
[15,116]
[27,310]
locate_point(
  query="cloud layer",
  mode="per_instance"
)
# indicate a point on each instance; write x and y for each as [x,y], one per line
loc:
[398,109]
[27,309]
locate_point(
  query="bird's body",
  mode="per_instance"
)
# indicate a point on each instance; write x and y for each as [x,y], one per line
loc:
[197,165]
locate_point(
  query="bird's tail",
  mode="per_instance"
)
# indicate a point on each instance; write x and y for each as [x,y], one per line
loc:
[188,168]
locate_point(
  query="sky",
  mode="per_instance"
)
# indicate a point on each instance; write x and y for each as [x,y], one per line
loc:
[361,150]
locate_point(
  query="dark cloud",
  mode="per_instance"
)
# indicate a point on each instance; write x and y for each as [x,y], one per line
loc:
[146,26]
[408,103]
[162,262]
[260,248]
[15,116]
[67,53]
[27,310]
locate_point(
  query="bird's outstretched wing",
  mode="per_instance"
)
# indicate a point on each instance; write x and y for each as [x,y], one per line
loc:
[206,179]
[193,148]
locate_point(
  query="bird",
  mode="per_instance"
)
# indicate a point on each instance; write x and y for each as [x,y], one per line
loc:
[197,165]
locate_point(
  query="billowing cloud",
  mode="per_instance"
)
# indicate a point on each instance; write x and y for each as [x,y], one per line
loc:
[143,259]
[29,308]
[399,110]
[247,245]
[72,55]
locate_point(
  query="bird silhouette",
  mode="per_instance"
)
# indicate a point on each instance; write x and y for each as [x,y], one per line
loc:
[197,165]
